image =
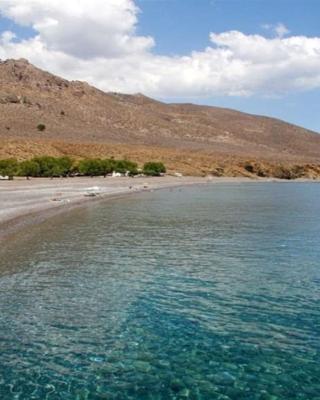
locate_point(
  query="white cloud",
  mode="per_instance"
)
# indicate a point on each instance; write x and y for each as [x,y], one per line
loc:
[96,41]
[6,37]
[95,28]
[279,29]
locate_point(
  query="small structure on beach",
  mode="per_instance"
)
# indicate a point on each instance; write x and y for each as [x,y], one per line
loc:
[93,191]
[116,174]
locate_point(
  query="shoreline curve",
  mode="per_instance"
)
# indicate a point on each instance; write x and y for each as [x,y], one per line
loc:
[28,202]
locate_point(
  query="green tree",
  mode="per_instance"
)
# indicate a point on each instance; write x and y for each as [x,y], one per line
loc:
[107,166]
[53,167]
[8,167]
[29,168]
[126,166]
[154,168]
[91,167]
[65,165]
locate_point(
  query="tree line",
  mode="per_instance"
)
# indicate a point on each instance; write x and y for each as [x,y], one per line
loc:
[47,166]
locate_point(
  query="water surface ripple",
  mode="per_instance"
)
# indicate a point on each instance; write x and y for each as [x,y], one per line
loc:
[207,292]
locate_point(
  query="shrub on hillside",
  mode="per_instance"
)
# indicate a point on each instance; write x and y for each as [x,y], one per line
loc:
[41,127]
[294,172]
[298,171]
[249,167]
[256,169]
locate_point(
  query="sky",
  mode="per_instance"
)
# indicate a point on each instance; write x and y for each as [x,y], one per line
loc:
[257,56]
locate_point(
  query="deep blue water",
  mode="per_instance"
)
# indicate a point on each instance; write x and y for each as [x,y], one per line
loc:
[208,292]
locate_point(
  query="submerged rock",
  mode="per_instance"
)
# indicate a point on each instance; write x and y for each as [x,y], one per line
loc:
[142,366]
[176,385]
[184,393]
[224,378]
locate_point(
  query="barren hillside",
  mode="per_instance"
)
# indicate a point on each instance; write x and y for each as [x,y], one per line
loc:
[81,120]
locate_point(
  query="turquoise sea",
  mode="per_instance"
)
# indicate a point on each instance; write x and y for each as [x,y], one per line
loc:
[205,292]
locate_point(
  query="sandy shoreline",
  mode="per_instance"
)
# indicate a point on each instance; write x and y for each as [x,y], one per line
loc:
[24,202]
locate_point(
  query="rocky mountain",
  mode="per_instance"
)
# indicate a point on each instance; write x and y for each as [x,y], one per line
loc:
[43,114]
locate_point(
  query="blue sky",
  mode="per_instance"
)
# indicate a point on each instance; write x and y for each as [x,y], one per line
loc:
[22,32]
[180,26]
[165,50]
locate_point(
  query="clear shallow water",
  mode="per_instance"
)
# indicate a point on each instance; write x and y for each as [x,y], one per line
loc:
[200,293]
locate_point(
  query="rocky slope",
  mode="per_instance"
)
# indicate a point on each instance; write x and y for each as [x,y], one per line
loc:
[81,120]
